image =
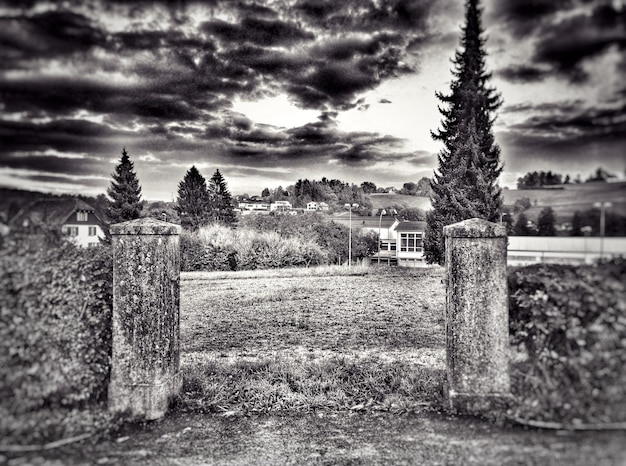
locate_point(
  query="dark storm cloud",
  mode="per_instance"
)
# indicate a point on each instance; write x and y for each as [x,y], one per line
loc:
[170,79]
[524,17]
[257,31]
[568,43]
[53,164]
[47,34]
[592,123]
[365,15]
[61,135]
[523,73]
[565,34]
[567,136]
[70,181]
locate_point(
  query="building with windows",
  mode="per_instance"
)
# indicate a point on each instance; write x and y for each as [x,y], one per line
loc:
[71,217]
[409,250]
[400,241]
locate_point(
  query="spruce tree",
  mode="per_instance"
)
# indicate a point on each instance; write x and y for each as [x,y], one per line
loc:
[545,222]
[125,192]
[466,182]
[221,202]
[193,202]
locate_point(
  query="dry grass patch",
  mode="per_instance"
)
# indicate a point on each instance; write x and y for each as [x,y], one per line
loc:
[284,342]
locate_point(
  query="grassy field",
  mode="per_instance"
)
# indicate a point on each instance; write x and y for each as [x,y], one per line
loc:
[381,200]
[306,340]
[571,198]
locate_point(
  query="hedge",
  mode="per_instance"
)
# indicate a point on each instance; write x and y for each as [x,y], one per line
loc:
[570,322]
[219,248]
[55,332]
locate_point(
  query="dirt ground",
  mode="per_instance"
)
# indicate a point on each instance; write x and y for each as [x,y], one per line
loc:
[337,439]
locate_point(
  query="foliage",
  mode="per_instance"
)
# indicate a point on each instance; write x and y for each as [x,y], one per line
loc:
[600,175]
[539,180]
[368,187]
[335,193]
[55,336]
[421,188]
[330,236]
[161,210]
[193,202]
[125,192]
[466,184]
[615,224]
[522,227]
[571,321]
[545,222]
[522,204]
[217,247]
[221,203]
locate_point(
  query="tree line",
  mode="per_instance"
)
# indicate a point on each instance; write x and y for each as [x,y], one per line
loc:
[542,179]
[198,203]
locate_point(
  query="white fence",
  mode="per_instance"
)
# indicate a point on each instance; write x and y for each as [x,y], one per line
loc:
[558,249]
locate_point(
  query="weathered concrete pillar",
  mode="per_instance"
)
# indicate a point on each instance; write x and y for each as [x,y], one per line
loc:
[477,329]
[146,304]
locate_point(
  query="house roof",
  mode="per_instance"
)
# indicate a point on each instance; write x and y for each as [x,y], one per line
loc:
[50,211]
[411,226]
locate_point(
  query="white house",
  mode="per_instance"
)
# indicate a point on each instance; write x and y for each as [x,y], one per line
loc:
[72,217]
[312,206]
[280,206]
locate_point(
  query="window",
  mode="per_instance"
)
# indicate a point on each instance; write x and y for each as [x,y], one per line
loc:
[410,242]
[71,231]
[82,216]
[92,231]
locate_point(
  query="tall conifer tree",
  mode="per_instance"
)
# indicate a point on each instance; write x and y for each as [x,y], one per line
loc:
[222,203]
[193,203]
[466,182]
[125,192]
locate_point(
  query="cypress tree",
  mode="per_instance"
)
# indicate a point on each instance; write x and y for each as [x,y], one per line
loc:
[193,202]
[466,182]
[221,202]
[125,192]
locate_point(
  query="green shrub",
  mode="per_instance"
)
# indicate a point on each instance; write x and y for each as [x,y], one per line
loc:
[55,332]
[218,248]
[571,321]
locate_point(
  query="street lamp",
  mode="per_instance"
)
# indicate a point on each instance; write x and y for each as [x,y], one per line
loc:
[382,212]
[349,207]
[602,206]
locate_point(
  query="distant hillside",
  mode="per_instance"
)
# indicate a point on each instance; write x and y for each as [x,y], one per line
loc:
[570,198]
[381,200]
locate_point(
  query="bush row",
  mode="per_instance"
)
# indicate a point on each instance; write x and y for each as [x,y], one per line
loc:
[217,247]
[571,322]
[55,332]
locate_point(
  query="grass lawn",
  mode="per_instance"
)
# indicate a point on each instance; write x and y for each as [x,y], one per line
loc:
[312,339]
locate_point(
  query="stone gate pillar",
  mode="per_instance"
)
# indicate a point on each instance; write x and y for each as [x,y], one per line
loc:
[477,329]
[146,304]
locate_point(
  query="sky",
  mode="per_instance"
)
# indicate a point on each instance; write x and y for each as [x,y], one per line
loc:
[272,91]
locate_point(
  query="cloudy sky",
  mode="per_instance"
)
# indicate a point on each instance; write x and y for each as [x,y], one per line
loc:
[272,91]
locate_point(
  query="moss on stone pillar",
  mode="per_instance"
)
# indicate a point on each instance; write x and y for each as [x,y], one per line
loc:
[477,331]
[146,315]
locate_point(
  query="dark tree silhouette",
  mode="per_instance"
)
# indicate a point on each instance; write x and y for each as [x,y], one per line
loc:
[545,222]
[221,201]
[466,182]
[193,202]
[521,227]
[125,192]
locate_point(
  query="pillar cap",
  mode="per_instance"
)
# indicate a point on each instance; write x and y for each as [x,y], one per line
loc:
[145,226]
[474,228]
